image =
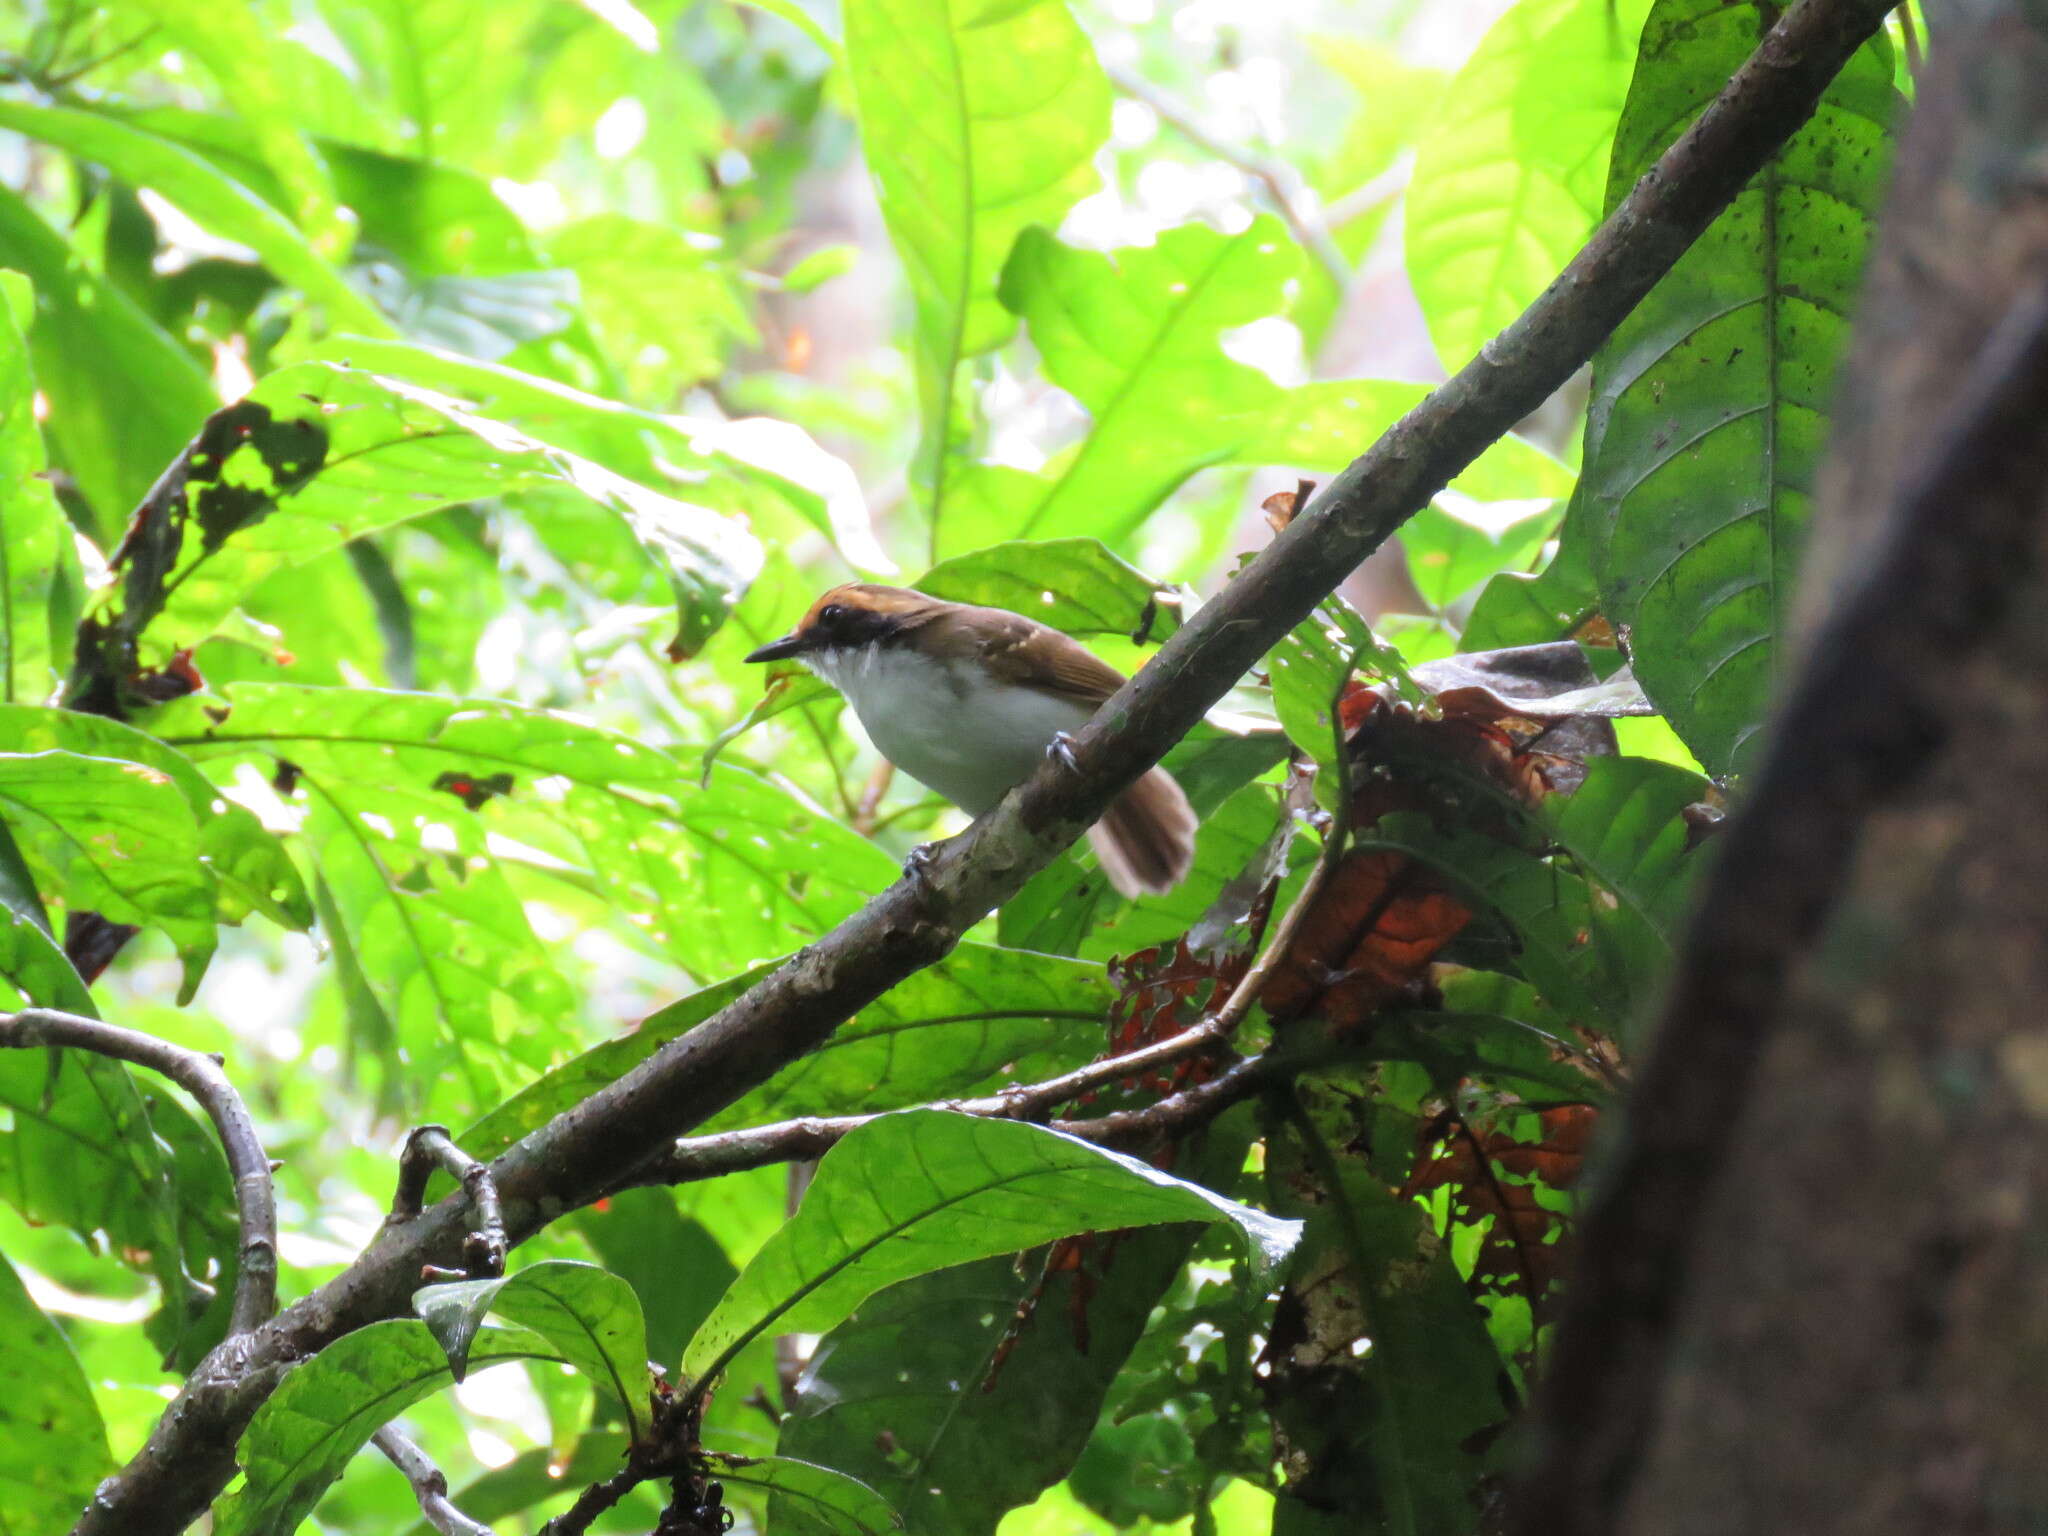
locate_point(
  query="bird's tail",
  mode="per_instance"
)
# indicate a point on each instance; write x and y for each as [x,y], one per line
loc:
[1146,840]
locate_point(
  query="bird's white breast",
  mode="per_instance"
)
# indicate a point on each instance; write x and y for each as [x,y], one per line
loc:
[948,724]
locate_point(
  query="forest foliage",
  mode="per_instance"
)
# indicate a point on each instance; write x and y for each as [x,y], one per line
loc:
[410,415]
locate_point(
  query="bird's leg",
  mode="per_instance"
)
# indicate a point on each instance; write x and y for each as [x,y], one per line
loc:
[1061,750]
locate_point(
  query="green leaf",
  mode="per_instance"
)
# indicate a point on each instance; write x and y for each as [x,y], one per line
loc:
[326,1409]
[811,1500]
[1325,425]
[1513,609]
[1448,555]
[924,1189]
[53,1447]
[1310,666]
[1077,586]
[754,871]
[1710,401]
[675,1265]
[37,565]
[1137,337]
[235,45]
[657,299]
[935,1394]
[123,395]
[948,1029]
[317,455]
[250,867]
[112,837]
[207,195]
[756,455]
[1508,178]
[979,118]
[592,1319]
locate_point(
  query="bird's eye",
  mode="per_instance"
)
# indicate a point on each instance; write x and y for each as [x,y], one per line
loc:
[831,613]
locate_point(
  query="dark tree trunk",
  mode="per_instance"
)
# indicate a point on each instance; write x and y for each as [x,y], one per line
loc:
[1822,1305]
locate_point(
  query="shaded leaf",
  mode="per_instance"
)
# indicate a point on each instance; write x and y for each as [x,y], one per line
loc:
[945,1030]
[923,1189]
[53,1447]
[590,1317]
[811,1500]
[326,1409]
[1710,401]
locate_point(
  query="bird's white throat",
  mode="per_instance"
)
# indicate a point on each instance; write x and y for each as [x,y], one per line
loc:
[948,723]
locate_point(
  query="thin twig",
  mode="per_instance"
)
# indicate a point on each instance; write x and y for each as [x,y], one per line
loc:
[428,1148]
[200,1075]
[1282,182]
[428,1485]
[1369,196]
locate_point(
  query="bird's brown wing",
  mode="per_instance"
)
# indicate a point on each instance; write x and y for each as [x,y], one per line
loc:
[1027,654]
[1041,658]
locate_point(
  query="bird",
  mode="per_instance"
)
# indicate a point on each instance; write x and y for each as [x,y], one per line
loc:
[967,700]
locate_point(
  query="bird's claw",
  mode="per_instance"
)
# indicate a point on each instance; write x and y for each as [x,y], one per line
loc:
[1061,750]
[917,865]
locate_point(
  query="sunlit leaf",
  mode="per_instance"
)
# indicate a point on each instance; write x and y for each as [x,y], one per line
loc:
[37,565]
[112,837]
[1509,175]
[317,455]
[978,120]
[205,194]
[123,396]
[1137,337]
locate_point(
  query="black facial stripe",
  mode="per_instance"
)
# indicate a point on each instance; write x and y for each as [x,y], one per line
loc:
[853,626]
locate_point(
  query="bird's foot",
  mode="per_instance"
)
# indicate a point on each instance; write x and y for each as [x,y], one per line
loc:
[1061,750]
[917,866]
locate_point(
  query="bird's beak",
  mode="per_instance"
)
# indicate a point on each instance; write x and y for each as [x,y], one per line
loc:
[793,644]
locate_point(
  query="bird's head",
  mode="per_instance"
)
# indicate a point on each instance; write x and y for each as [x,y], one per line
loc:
[860,613]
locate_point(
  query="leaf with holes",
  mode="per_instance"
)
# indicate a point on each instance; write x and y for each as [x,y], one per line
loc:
[590,1316]
[923,1189]
[756,871]
[1710,401]
[319,454]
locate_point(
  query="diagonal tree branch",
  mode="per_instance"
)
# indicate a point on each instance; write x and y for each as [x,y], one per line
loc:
[429,1484]
[189,1456]
[201,1076]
